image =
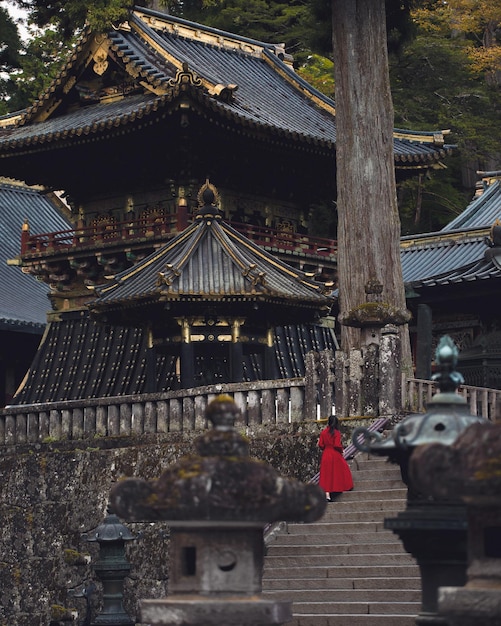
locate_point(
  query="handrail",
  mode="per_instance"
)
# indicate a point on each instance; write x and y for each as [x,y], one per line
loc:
[109,232]
[417,393]
[261,402]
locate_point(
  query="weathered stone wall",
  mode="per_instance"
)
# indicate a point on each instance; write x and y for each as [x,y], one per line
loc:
[52,493]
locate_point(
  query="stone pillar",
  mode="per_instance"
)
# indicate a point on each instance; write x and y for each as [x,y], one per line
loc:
[390,377]
[374,389]
[217,504]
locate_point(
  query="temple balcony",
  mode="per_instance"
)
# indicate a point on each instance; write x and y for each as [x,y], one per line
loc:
[108,247]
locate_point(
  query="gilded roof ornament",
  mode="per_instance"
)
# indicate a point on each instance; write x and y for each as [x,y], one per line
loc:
[208,201]
[185,76]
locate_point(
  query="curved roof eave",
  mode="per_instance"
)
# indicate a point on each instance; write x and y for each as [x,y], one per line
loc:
[154,46]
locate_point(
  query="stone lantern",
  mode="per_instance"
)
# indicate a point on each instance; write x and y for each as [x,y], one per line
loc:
[433,530]
[217,504]
[470,469]
[111,568]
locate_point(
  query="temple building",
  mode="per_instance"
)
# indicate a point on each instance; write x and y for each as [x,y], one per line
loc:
[129,131]
[453,280]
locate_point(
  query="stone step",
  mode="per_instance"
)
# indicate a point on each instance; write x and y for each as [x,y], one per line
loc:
[300,549]
[358,514]
[362,486]
[326,537]
[340,596]
[349,608]
[379,464]
[337,527]
[348,571]
[388,583]
[342,504]
[335,559]
[352,620]
[376,473]
[385,494]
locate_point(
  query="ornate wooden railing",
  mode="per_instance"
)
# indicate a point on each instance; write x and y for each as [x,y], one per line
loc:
[416,394]
[107,233]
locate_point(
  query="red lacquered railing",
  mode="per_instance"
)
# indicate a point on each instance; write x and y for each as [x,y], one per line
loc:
[89,236]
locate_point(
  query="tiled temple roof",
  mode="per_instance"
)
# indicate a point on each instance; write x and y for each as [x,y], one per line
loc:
[24,303]
[251,83]
[461,252]
[210,260]
[482,211]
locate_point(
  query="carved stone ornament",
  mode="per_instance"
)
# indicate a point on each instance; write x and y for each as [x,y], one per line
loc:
[374,314]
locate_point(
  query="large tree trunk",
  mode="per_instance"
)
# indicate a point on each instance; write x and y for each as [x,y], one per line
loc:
[369,223]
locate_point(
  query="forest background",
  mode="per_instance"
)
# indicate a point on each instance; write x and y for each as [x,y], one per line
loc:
[445,72]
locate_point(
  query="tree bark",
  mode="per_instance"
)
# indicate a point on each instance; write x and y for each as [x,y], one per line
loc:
[369,223]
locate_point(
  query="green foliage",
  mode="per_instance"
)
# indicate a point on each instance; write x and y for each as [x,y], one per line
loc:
[67,17]
[319,72]
[435,87]
[10,58]
[41,61]
[428,202]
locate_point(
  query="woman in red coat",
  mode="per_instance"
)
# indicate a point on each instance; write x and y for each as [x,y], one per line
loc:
[335,474]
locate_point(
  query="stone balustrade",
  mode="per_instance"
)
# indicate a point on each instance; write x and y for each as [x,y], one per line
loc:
[261,402]
[416,393]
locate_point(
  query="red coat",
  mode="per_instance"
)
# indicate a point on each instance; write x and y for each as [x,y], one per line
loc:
[335,474]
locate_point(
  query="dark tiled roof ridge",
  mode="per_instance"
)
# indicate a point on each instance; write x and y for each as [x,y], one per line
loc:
[270,258]
[155,63]
[166,17]
[441,237]
[482,269]
[475,208]
[268,52]
[168,266]
[87,127]
[233,114]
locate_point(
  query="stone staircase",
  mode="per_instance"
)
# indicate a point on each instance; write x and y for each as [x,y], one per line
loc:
[346,569]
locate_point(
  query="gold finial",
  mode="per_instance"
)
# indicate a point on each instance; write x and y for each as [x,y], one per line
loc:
[208,194]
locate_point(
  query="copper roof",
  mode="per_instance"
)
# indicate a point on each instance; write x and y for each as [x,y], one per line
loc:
[459,252]
[251,83]
[211,261]
[79,358]
[24,303]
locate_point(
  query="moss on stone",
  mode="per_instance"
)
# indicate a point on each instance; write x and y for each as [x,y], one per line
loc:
[375,314]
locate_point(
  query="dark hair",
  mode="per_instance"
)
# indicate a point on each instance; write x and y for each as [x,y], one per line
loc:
[332,424]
